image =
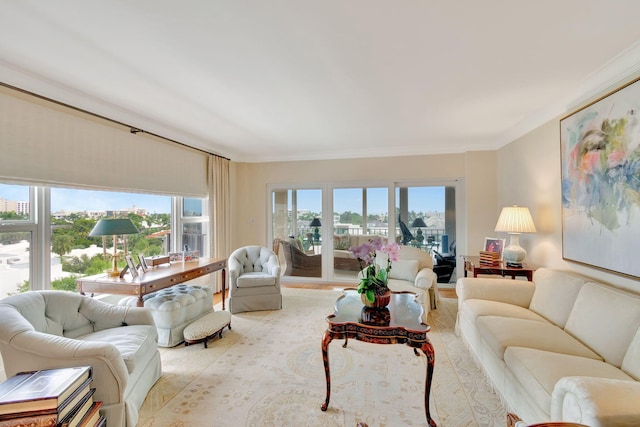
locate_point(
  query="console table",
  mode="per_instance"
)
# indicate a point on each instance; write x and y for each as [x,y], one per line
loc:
[398,323]
[472,264]
[156,278]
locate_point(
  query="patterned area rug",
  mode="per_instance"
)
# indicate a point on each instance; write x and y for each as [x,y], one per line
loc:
[267,371]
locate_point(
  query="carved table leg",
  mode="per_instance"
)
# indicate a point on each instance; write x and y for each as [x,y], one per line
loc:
[326,339]
[427,349]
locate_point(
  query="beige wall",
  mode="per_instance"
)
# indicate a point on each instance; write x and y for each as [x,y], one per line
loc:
[535,159]
[477,170]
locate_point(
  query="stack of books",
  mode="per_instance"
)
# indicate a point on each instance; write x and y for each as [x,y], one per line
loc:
[50,398]
[489,258]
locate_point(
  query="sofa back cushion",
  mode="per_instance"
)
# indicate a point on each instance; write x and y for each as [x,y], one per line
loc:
[631,361]
[555,294]
[606,320]
[50,312]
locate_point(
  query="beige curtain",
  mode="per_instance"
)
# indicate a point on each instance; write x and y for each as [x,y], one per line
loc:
[219,210]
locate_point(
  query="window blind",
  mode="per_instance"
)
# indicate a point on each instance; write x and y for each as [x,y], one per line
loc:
[44,143]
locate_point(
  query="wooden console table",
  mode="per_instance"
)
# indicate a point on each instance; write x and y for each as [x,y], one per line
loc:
[472,265]
[398,323]
[156,278]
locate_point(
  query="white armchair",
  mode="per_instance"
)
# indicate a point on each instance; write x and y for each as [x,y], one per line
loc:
[58,329]
[413,272]
[254,280]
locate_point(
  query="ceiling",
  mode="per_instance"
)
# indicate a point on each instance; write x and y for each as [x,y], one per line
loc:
[259,80]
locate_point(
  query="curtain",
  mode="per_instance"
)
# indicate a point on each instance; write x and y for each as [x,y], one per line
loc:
[219,210]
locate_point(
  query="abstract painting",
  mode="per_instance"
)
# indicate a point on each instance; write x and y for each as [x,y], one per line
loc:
[600,156]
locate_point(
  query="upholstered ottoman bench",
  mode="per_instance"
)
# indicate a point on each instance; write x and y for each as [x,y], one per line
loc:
[206,327]
[174,308]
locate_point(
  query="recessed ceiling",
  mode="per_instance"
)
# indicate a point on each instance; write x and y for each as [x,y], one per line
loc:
[292,79]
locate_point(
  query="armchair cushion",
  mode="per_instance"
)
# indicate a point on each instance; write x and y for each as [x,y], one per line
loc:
[404,270]
[253,279]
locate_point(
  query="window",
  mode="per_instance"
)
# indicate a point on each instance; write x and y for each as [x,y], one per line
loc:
[65,226]
[16,238]
[294,215]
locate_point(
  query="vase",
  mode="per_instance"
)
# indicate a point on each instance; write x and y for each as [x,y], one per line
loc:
[379,301]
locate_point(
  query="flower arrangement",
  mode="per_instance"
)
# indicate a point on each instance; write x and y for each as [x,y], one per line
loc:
[374,278]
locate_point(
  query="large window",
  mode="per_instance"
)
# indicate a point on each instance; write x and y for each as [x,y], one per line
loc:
[422,215]
[64,217]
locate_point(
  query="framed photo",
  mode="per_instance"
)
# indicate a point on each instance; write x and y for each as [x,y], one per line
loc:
[143,263]
[132,266]
[600,165]
[493,244]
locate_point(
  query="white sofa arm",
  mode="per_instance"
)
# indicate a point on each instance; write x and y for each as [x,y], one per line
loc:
[35,350]
[513,292]
[596,401]
[425,278]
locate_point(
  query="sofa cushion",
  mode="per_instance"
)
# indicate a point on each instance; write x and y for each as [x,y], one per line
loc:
[341,242]
[473,308]
[538,371]
[606,320]
[404,270]
[554,295]
[135,343]
[501,332]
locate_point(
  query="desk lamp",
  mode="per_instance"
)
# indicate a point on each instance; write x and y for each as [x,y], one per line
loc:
[114,227]
[515,220]
[316,231]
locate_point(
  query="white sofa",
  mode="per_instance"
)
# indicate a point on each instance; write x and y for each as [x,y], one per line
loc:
[57,329]
[560,348]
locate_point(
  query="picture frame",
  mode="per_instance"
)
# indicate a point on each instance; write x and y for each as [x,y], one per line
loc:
[493,244]
[143,263]
[599,168]
[132,266]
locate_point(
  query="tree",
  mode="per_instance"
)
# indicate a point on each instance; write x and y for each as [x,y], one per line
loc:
[61,244]
[65,284]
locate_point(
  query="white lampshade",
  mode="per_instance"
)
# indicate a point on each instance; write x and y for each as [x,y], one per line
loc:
[515,220]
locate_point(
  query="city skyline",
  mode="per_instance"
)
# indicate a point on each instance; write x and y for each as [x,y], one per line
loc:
[421,199]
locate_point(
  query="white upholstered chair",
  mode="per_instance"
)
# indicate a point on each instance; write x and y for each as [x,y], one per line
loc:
[254,280]
[58,329]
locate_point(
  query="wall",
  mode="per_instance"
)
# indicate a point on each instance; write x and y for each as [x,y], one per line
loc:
[535,159]
[476,169]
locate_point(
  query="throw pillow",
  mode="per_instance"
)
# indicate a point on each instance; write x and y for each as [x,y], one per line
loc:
[404,270]
[342,242]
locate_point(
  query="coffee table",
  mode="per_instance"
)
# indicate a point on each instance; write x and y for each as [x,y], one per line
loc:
[399,323]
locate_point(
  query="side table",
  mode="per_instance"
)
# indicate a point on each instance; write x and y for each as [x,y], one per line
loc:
[472,265]
[398,323]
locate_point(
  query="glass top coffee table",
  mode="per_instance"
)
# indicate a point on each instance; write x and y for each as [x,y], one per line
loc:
[398,323]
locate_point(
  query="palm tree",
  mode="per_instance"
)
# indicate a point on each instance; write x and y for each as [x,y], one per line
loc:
[61,244]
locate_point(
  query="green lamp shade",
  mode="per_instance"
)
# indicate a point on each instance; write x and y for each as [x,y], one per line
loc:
[315,223]
[114,226]
[418,222]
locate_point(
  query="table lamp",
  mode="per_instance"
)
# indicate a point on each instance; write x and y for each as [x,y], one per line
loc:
[515,220]
[316,231]
[417,223]
[114,227]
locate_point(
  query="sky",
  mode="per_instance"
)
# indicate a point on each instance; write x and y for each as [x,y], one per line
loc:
[421,199]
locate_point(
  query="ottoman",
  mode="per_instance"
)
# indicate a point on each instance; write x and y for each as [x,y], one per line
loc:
[174,308]
[206,327]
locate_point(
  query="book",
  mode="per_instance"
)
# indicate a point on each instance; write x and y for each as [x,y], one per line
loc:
[91,418]
[80,412]
[44,420]
[42,391]
[102,422]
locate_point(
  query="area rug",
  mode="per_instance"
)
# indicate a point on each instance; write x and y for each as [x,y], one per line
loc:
[268,371]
